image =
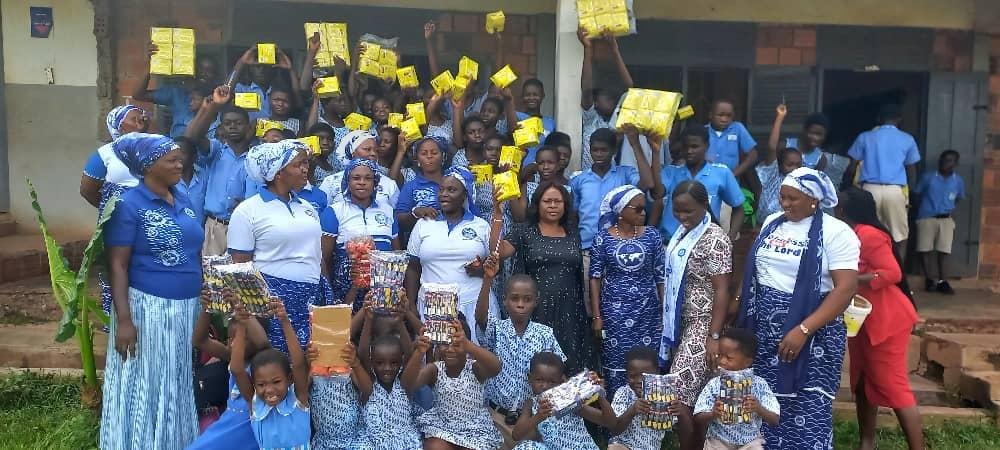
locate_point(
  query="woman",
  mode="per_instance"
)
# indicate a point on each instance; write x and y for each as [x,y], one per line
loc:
[359,213]
[449,247]
[801,273]
[626,280]
[280,233]
[359,144]
[104,174]
[418,199]
[548,249]
[699,264]
[879,375]
[154,246]
[548,171]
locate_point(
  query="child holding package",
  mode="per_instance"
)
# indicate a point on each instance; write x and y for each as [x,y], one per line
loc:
[737,348]
[514,341]
[387,410]
[537,422]
[459,418]
[627,432]
[276,388]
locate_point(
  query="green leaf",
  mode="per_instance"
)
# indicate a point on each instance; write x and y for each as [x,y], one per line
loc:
[95,247]
[64,286]
[96,310]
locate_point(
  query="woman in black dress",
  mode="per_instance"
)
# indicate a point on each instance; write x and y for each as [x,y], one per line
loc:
[547,248]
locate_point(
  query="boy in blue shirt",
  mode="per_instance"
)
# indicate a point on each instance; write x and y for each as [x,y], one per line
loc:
[939,190]
[729,142]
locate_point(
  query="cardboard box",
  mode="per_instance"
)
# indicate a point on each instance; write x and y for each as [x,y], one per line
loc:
[266,53]
[495,22]
[331,331]
[504,77]
[330,87]
[249,101]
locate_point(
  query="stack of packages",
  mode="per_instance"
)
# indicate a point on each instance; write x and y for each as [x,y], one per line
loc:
[213,284]
[415,118]
[378,58]
[359,250]
[734,386]
[568,397]
[388,269]
[528,132]
[649,110]
[441,311]
[248,285]
[508,181]
[598,17]
[332,42]
[659,391]
[174,51]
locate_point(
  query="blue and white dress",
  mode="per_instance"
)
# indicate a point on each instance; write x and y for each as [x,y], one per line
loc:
[509,388]
[346,220]
[284,426]
[336,414]
[232,431]
[560,433]
[636,436]
[389,420]
[459,415]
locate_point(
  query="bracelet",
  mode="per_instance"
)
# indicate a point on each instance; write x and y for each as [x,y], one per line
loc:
[802,327]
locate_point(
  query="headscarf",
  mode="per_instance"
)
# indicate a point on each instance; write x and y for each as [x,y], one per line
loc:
[264,161]
[806,296]
[813,183]
[350,142]
[116,116]
[139,151]
[468,180]
[613,204]
[441,143]
[353,164]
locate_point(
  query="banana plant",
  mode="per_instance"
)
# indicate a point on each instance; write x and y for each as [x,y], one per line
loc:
[70,290]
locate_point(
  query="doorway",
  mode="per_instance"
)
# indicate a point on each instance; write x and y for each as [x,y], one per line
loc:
[851,100]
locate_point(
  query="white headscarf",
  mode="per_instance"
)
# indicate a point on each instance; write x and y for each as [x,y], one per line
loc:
[349,143]
[264,161]
[814,184]
[613,204]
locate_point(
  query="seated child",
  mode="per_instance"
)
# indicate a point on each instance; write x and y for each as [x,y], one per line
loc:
[459,418]
[628,433]
[737,348]
[387,410]
[277,390]
[537,422]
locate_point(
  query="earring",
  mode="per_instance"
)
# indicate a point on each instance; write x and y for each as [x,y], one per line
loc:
[813,206]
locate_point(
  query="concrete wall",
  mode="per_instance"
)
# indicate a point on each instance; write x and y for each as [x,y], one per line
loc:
[50,128]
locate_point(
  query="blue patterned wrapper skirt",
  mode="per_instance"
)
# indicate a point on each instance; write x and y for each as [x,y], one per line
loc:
[149,398]
[296,296]
[807,416]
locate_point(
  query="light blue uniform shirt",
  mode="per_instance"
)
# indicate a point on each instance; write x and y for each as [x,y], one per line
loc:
[884,152]
[938,193]
[227,180]
[195,191]
[810,159]
[724,147]
[719,182]
[589,190]
[178,99]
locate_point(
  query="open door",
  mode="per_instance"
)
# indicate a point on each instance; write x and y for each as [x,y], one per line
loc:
[956,119]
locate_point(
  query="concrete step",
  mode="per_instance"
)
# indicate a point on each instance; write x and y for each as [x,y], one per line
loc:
[7,225]
[926,391]
[23,256]
[981,387]
[956,352]
[936,415]
[34,346]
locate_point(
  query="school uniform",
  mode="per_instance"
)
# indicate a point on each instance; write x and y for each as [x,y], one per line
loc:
[227,185]
[592,121]
[885,152]
[346,220]
[635,436]
[317,198]
[935,226]
[164,277]
[178,99]
[726,146]
[386,192]
[195,191]
[284,239]
[419,192]
[719,181]
[283,426]
[746,435]
[549,125]
[265,100]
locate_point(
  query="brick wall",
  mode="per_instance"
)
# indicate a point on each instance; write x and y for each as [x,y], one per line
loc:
[989,239]
[779,45]
[464,34]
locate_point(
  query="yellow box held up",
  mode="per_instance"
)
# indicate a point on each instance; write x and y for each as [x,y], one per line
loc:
[263,125]
[175,51]
[395,120]
[370,67]
[534,124]
[313,143]
[504,77]
[482,172]
[324,59]
[159,35]
[459,87]
[416,112]
[495,22]
[266,53]
[443,83]
[685,113]
[389,58]
[649,110]
[468,68]
[410,129]
[507,184]
[249,101]
[329,87]
[407,77]
[525,138]
[355,121]
[511,157]
[161,65]
[183,36]
[182,65]
[311,29]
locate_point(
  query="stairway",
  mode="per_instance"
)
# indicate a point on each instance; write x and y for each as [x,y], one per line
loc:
[968,363]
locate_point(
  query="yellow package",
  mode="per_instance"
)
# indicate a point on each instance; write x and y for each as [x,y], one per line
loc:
[633,98]
[482,172]
[266,53]
[371,51]
[504,77]
[313,28]
[511,157]
[590,26]
[324,59]
[355,121]
[161,65]
[370,67]
[388,58]
[263,125]
[159,35]
[495,22]
[395,120]
[525,138]
[182,65]
[661,123]
[627,117]
[249,101]
[336,30]
[532,123]
[329,87]
[183,36]
[685,113]
[313,143]
[508,186]
[468,68]
[410,129]
[443,83]
[604,6]
[416,112]
[668,102]
[459,87]
[336,40]
[585,8]
[617,23]
[407,77]
[387,73]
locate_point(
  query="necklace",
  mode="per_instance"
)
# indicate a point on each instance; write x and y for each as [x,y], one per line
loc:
[635,232]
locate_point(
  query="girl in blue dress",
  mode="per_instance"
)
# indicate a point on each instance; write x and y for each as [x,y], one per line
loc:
[626,280]
[386,408]
[336,413]
[276,387]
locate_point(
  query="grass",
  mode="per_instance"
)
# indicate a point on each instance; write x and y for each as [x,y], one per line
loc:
[43,412]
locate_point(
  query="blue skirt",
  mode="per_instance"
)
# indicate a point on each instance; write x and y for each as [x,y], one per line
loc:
[149,398]
[232,431]
[807,415]
[297,296]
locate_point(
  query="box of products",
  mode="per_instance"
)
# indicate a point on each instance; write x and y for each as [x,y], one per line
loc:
[504,77]
[333,42]
[660,391]
[266,53]
[597,17]
[468,68]
[407,77]
[389,267]
[568,397]
[441,311]
[377,61]
[249,101]
[213,283]
[534,124]
[460,85]
[384,299]
[482,172]
[313,143]
[248,285]
[525,138]
[416,112]
[443,83]
[685,113]
[410,129]
[329,87]
[734,386]
[175,51]
[649,110]
[331,331]
[264,124]
[395,120]
[511,156]
[495,22]
[508,185]
[355,121]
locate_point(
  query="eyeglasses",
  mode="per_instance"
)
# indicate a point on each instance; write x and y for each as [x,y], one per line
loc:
[637,208]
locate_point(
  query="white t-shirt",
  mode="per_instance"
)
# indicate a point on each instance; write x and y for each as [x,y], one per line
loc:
[387,192]
[117,170]
[284,237]
[779,256]
[443,254]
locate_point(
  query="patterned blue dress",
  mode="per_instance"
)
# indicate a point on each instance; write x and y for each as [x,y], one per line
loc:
[389,420]
[297,297]
[560,433]
[232,431]
[284,426]
[630,303]
[459,415]
[336,414]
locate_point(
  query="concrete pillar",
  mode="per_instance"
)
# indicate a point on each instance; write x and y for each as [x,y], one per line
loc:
[568,58]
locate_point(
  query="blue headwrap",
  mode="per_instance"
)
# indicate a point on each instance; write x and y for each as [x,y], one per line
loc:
[468,180]
[264,161]
[350,142]
[353,164]
[442,145]
[116,116]
[139,151]
[613,204]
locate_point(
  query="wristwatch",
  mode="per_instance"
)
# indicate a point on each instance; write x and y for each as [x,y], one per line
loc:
[715,336]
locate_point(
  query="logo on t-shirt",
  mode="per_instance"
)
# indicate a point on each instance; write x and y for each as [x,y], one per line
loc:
[732,137]
[189,212]
[381,218]
[424,197]
[629,255]
[310,212]
[468,233]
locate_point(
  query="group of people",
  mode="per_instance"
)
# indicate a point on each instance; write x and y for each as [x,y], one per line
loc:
[624,268]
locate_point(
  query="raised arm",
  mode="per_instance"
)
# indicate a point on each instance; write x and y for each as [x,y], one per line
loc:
[587,72]
[416,374]
[300,367]
[396,171]
[142,92]
[430,28]
[658,191]
[209,110]
[458,115]
[237,365]
[490,268]
[360,375]
[645,172]
[774,144]
[306,75]
[623,72]
[285,64]
[487,364]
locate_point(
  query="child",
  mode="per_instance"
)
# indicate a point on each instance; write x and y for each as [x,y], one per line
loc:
[277,390]
[515,341]
[386,408]
[557,433]
[729,140]
[532,95]
[627,433]
[562,143]
[810,142]
[282,104]
[336,413]
[737,348]
[459,418]
[939,191]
